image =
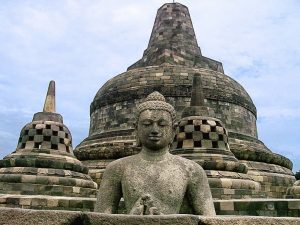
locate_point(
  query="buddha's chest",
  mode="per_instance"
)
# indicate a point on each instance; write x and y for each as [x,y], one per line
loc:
[164,183]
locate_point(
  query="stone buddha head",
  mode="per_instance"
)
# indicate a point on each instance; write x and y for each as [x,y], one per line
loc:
[155,122]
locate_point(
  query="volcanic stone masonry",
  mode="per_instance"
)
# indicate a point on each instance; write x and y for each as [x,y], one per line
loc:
[204,140]
[43,172]
[168,66]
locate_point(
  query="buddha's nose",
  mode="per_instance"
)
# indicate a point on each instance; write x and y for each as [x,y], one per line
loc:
[154,130]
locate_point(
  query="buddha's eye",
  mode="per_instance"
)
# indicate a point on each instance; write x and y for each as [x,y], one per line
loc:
[146,123]
[163,123]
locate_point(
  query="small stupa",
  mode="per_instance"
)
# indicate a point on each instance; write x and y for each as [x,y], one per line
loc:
[43,172]
[204,139]
[294,191]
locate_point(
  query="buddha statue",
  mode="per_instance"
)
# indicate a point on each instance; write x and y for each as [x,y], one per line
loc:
[155,182]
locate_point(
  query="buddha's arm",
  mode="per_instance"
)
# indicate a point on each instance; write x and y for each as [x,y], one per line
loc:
[199,193]
[110,191]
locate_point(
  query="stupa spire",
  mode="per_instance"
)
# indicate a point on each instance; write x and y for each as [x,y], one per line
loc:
[49,105]
[197,98]
[173,41]
[173,38]
[49,110]
[197,107]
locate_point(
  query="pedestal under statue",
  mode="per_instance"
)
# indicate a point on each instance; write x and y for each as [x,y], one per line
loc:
[154,181]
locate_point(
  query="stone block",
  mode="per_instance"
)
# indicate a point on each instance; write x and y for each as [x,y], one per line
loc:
[294,204]
[55,140]
[47,132]
[197,136]
[31,132]
[211,123]
[29,145]
[25,201]
[213,136]
[206,143]
[38,138]
[180,136]
[61,147]
[189,143]
[227,205]
[205,128]
[189,128]
[40,126]
[52,203]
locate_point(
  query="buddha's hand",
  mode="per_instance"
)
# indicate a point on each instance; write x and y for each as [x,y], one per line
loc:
[145,206]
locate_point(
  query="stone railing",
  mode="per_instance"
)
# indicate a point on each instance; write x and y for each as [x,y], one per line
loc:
[35,217]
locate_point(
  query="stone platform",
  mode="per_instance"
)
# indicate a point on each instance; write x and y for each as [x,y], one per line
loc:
[232,207]
[47,202]
[259,207]
[29,217]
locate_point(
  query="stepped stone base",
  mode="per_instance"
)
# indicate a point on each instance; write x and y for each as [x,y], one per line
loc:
[259,207]
[46,202]
[294,191]
[271,170]
[30,217]
[237,207]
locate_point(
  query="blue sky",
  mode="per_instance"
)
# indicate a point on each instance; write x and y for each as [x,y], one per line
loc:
[82,44]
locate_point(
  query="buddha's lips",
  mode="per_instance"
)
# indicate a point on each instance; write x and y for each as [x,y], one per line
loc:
[154,138]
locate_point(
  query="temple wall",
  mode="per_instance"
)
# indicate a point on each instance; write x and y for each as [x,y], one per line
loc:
[121,115]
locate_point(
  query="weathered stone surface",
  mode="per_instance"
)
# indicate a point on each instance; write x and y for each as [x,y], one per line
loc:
[43,217]
[259,207]
[168,65]
[155,182]
[40,217]
[227,176]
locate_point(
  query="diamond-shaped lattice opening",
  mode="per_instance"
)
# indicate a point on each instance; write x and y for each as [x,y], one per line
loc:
[189,136]
[221,138]
[53,146]
[215,144]
[205,136]
[47,138]
[197,144]
[37,144]
[179,144]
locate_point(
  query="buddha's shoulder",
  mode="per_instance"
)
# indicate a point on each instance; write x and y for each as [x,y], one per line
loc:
[121,163]
[186,163]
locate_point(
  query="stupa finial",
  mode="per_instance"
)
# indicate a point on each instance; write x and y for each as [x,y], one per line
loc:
[197,106]
[49,105]
[197,98]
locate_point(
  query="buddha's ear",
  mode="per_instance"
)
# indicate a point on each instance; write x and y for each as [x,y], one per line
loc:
[175,125]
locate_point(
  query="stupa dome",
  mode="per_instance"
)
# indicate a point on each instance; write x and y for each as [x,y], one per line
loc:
[168,65]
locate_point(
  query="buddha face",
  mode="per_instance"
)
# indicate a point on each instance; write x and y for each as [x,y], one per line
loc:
[155,129]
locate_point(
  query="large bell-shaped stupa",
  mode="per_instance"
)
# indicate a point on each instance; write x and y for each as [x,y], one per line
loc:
[168,65]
